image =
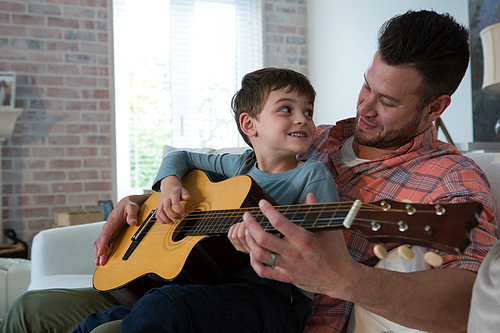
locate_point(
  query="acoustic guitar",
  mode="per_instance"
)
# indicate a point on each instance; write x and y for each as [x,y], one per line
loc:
[195,249]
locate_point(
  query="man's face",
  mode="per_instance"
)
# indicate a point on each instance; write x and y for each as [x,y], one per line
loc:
[388,116]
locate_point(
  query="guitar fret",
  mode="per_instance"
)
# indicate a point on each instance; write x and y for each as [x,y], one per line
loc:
[333,215]
[232,217]
[206,222]
[216,221]
[215,226]
[325,218]
[292,217]
[264,222]
[300,216]
[225,219]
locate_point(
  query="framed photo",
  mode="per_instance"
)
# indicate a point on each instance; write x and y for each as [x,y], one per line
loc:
[7,89]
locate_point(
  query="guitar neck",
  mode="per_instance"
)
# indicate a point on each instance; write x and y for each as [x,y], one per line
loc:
[328,215]
[438,226]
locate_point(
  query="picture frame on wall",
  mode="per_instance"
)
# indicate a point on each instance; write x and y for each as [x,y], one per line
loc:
[7,89]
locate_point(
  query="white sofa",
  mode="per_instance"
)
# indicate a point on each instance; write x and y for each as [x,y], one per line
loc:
[64,257]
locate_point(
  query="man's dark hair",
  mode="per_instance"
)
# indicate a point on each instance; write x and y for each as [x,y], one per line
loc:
[434,44]
[256,87]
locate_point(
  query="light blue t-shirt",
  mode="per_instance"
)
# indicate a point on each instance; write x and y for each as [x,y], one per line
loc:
[286,188]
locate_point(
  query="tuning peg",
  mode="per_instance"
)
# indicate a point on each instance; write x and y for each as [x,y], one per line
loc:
[433,259]
[380,251]
[405,252]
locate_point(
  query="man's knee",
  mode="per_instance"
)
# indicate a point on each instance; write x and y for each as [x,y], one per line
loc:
[52,310]
[24,308]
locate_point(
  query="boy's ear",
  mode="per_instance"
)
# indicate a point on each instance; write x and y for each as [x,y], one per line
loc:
[437,107]
[247,125]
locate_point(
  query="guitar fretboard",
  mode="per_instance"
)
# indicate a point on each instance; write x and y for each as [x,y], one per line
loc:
[329,215]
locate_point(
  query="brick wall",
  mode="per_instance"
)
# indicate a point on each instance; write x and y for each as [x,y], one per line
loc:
[60,154]
[285,34]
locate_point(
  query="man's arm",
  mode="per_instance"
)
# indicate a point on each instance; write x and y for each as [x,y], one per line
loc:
[433,300]
[125,211]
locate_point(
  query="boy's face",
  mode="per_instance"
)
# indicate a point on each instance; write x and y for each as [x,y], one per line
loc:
[285,125]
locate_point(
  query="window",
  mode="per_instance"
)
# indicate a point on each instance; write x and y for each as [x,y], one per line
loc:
[177,65]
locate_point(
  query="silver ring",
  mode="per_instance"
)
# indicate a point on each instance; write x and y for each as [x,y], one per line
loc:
[272,257]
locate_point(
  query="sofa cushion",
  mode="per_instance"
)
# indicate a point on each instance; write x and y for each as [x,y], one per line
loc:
[232,150]
[64,281]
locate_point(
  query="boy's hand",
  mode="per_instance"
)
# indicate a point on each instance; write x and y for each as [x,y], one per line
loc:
[169,206]
[236,235]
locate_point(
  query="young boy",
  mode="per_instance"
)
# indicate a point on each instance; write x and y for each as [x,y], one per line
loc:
[273,111]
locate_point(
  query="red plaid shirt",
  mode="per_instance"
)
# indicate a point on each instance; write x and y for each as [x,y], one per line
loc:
[425,171]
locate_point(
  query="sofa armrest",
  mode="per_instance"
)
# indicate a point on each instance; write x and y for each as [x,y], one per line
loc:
[64,250]
[14,280]
[490,164]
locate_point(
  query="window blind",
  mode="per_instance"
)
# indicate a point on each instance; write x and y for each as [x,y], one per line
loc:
[177,65]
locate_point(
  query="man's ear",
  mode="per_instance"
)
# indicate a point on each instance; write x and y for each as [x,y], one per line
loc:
[247,124]
[437,107]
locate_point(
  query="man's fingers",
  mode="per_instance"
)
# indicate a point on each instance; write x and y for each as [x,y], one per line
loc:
[260,237]
[310,199]
[279,222]
[131,210]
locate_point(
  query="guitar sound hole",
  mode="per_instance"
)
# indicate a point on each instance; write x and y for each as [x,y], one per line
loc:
[179,233]
[185,226]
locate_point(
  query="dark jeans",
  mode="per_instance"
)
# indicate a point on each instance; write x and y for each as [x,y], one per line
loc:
[235,307]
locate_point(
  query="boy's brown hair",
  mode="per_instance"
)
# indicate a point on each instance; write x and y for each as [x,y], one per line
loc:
[256,87]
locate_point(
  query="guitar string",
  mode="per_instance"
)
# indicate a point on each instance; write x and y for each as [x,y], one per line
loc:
[202,221]
[187,224]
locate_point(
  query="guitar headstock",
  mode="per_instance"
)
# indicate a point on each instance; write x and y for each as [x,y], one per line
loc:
[442,227]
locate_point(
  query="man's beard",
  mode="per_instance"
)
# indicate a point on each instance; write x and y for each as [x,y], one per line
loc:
[391,139]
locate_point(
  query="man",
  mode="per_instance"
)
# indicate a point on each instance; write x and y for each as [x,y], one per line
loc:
[389,151]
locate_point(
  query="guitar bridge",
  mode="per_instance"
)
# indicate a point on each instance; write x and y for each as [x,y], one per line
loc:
[140,233]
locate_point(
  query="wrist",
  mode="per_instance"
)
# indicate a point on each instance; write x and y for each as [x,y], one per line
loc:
[168,182]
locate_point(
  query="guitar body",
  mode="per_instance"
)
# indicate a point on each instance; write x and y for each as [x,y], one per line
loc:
[165,256]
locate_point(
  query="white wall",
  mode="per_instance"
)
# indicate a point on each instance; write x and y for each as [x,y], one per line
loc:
[342,39]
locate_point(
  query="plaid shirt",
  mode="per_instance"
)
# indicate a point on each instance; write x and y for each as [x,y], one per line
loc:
[425,171]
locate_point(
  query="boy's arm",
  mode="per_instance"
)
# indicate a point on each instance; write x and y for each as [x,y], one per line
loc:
[179,163]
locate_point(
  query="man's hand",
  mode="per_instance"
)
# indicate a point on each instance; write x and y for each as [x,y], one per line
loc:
[313,261]
[125,212]
[169,206]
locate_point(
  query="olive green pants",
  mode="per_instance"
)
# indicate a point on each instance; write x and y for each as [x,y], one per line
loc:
[53,310]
